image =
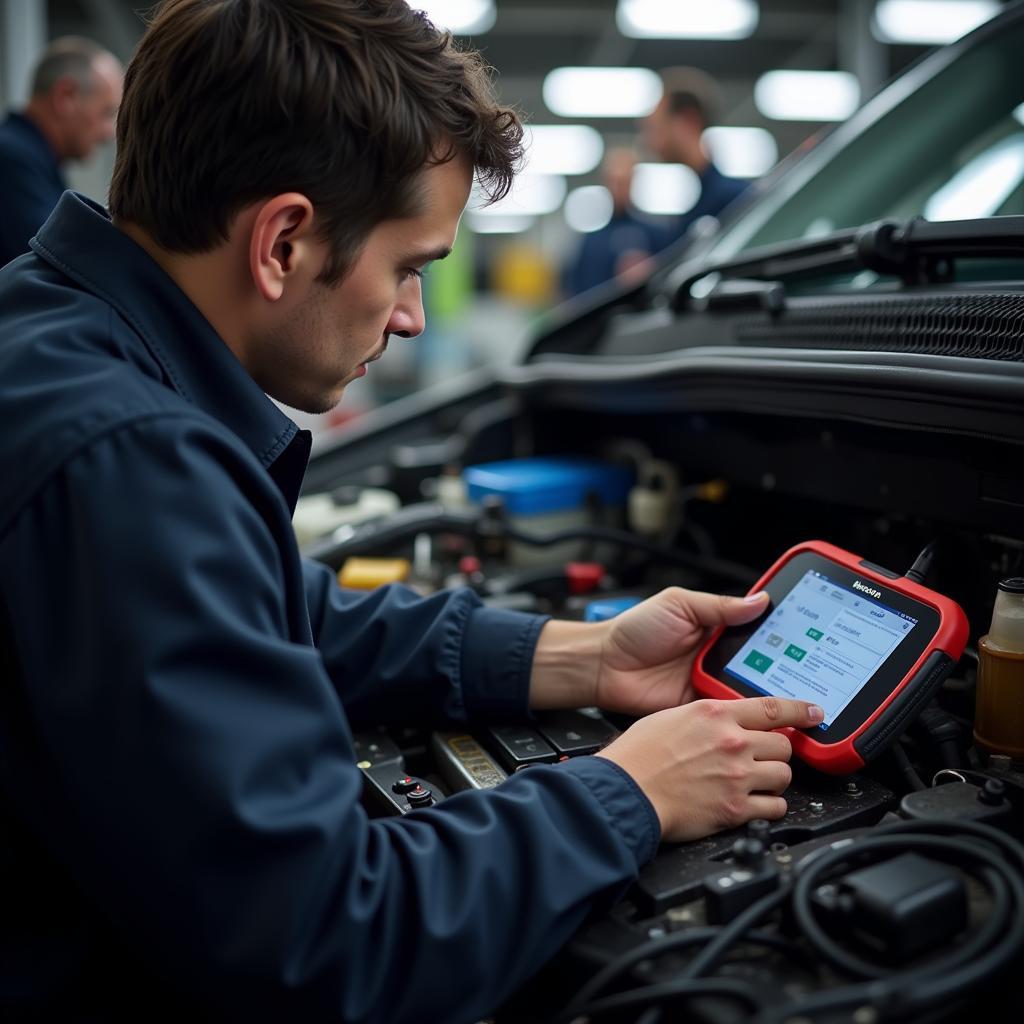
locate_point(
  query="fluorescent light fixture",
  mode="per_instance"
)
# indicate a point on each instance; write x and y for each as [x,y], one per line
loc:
[687,19]
[602,92]
[562,148]
[588,208]
[499,224]
[463,17]
[531,195]
[742,152]
[982,185]
[933,22]
[664,188]
[807,95]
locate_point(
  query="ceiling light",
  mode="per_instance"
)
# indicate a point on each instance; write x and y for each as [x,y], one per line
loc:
[498,224]
[933,22]
[807,95]
[687,19]
[531,194]
[664,188]
[588,208]
[742,152]
[462,17]
[602,92]
[562,148]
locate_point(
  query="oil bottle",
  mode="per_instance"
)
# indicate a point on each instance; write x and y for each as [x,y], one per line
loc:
[999,711]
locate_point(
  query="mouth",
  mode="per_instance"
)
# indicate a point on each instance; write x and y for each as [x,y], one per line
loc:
[360,370]
[376,355]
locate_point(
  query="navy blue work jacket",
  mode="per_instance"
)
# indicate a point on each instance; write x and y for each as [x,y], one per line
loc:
[599,253]
[181,836]
[717,192]
[30,184]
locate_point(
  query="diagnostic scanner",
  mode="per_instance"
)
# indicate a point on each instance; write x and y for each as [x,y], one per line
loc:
[867,645]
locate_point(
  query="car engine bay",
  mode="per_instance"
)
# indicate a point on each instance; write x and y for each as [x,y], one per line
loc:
[894,893]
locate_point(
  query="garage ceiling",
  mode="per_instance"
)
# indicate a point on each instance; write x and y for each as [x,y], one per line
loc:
[531,37]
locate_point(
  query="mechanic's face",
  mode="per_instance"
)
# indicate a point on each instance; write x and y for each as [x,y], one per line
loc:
[327,335]
[89,115]
[657,132]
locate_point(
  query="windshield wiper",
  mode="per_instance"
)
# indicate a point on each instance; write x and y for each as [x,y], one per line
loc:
[918,251]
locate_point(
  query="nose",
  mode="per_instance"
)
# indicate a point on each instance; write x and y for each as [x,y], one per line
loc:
[407,319]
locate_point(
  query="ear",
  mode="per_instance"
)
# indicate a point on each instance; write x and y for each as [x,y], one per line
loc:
[281,243]
[64,94]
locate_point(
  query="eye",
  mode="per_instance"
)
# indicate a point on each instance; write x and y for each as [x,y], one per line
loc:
[419,273]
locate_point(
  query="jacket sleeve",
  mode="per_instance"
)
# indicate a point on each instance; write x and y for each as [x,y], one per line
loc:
[193,767]
[396,656]
[28,199]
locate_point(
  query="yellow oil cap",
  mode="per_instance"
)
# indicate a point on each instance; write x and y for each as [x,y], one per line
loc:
[368,573]
[713,490]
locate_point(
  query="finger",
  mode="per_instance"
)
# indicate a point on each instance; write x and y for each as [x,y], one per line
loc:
[770,746]
[770,807]
[775,713]
[717,609]
[770,777]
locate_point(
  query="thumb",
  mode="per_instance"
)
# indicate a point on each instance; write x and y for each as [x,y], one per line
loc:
[737,610]
[712,610]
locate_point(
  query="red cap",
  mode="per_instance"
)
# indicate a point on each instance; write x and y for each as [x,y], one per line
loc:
[584,577]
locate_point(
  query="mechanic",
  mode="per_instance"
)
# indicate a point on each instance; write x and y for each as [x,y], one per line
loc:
[674,132]
[621,249]
[76,87]
[181,833]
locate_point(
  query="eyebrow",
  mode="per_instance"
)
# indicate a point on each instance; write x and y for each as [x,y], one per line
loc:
[431,256]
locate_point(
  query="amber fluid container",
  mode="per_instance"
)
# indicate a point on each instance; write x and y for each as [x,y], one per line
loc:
[999,709]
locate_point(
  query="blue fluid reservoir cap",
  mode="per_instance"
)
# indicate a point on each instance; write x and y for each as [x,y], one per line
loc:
[545,484]
[608,608]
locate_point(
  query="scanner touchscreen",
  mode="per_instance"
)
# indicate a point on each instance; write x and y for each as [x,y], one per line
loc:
[821,643]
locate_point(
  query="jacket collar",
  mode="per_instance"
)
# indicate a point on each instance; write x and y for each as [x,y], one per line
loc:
[81,242]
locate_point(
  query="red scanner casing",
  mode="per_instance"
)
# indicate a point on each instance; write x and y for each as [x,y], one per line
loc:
[903,701]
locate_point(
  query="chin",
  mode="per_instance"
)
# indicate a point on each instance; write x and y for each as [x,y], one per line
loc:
[325,403]
[315,405]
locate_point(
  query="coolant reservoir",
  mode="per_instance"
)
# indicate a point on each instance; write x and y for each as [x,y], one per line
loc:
[999,711]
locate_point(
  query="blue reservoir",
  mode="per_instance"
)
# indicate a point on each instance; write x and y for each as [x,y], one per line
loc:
[608,608]
[536,486]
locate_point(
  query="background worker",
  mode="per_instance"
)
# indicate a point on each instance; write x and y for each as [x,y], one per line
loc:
[674,132]
[76,89]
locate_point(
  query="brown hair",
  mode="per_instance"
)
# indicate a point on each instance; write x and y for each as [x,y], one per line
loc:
[227,102]
[687,89]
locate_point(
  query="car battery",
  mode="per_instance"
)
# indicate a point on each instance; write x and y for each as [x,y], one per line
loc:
[553,494]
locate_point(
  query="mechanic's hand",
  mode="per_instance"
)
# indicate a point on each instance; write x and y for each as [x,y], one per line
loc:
[713,764]
[648,651]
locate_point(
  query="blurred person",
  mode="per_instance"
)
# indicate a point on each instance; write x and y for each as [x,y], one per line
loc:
[182,831]
[76,89]
[620,250]
[674,132]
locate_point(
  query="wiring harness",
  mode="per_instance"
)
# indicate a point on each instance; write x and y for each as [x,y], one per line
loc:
[993,860]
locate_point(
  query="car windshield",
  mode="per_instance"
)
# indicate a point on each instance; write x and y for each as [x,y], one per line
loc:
[951,148]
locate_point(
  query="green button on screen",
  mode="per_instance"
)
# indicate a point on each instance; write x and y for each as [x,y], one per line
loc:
[794,652]
[815,634]
[758,662]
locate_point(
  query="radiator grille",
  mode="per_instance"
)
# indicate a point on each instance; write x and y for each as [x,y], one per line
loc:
[989,326]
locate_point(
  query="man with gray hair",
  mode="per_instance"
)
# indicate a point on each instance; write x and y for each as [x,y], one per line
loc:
[76,89]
